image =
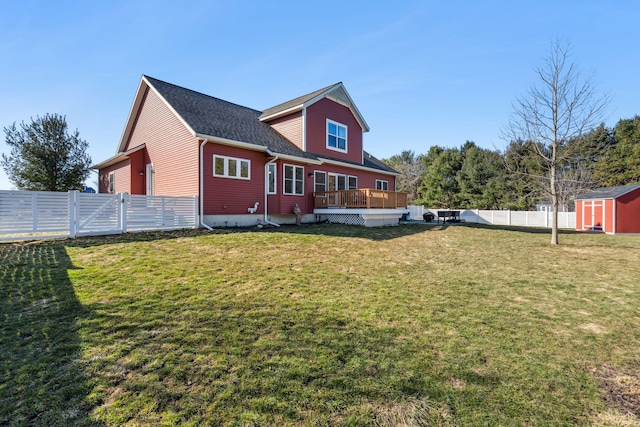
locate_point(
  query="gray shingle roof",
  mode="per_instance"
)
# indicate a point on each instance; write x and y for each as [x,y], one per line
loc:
[608,192]
[295,102]
[210,116]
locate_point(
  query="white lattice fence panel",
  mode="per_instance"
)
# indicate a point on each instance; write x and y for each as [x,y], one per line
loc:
[349,219]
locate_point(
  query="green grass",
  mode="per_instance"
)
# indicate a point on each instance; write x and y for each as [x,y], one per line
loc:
[319,325]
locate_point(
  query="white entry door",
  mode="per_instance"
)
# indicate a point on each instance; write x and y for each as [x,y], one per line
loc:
[150,179]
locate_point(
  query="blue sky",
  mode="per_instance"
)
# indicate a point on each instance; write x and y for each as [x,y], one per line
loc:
[422,73]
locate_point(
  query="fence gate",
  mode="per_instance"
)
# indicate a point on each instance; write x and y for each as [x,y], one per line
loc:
[97,214]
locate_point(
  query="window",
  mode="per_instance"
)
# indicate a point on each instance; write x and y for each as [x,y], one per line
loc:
[320,181]
[112,182]
[353,182]
[382,185]
[231,167]
[294,180]
[271,178]
[336,136]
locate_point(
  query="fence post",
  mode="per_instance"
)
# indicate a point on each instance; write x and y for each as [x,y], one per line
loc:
[509,216]
[123,198]
[163,212]
[74,213]
[196,210]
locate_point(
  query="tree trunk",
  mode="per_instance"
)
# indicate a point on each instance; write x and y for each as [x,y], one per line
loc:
[554,206]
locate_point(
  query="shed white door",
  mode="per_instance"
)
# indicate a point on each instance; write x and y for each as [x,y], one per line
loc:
[593,215]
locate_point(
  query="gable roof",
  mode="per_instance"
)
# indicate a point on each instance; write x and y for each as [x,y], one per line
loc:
[336,92]
[609,192]
[208,117]
[211,117]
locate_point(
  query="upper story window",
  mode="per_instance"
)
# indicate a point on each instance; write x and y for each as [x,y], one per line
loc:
[231,167]
[336,136]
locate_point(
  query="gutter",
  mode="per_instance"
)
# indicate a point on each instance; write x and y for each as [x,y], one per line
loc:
[202,224]
[266,186]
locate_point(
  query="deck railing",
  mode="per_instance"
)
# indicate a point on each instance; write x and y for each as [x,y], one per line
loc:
[364,198]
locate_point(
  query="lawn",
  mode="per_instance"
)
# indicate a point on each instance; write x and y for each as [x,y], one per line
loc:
[322,325]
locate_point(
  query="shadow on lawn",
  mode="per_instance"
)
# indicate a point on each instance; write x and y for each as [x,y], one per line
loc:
[43,380]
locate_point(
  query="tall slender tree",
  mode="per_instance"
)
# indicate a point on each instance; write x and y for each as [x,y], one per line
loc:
[555,115]
[44,156]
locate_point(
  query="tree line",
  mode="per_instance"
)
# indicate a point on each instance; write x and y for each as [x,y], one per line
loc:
[471,177]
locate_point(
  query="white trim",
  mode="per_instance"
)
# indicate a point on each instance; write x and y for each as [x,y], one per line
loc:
[351,106]
[149,179]
[273,160]
[226,160]
[275,178]
[111,183]
[283,112]
[315,183]
[349,177]
[343,211]
[346,136]
[337,177]
[381,181]
[304,129]
[352,166]
[613,230]
[253,147]
[284,180]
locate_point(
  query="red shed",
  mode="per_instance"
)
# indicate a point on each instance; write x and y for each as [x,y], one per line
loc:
[609,209]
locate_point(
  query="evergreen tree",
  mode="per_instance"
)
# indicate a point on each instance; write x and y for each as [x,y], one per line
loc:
[44,156]
[620,163]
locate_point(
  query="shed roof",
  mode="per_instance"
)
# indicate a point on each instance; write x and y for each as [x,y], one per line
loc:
[609,192]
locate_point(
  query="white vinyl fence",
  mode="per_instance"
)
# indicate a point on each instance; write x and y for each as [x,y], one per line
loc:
[42,214]
[504,217]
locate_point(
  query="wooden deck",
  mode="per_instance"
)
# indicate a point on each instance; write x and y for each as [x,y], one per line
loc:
[364,198]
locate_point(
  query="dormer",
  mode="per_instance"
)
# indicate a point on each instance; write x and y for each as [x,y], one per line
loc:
[325,122]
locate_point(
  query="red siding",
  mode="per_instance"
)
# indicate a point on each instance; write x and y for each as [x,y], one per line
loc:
[608,216]
[316,121]
[628,213]
[579,215]
[122,181]
[290,127]
[172,149]
[231,196]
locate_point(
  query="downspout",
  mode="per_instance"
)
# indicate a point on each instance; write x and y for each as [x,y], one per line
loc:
[202,224]
[266,186]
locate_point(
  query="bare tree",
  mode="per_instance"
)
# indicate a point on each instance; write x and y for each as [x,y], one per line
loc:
[554,117]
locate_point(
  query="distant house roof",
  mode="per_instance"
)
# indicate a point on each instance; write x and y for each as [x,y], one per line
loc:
[608,192]
[221,121]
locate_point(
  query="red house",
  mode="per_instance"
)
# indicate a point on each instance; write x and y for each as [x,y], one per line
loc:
[609,209]
[249,166]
